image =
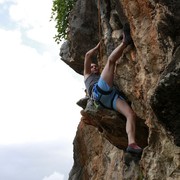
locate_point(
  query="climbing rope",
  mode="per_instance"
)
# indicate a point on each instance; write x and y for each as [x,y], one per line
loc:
[99,27]
[99,18]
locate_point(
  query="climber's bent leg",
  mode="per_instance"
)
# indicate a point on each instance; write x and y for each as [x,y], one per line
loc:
[108,71]
[123,108]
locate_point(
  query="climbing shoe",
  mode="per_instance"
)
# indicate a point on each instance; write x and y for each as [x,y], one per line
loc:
[126,34]
[134,149]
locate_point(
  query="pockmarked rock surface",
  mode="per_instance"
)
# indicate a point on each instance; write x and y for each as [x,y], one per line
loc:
[148,74]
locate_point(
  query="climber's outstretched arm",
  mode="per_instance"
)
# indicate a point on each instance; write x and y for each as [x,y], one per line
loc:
[88,59]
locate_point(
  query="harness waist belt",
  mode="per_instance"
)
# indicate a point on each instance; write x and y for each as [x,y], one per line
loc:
[102,91]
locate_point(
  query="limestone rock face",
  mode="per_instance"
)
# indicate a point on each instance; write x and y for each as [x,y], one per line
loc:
[148,74]
[83,27]
[112,125]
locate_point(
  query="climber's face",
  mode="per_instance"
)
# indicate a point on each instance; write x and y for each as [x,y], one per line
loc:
[94,68]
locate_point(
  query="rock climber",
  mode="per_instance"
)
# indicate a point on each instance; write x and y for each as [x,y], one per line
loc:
[100,87]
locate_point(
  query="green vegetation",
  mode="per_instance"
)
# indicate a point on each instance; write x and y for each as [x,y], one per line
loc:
[60,13]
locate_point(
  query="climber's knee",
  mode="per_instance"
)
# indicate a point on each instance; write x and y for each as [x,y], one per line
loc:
[123,107]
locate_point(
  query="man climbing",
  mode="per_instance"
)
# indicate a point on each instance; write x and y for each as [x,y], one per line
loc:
[100,87]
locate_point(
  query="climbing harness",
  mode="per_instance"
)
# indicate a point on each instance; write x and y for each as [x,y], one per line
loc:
[98,93]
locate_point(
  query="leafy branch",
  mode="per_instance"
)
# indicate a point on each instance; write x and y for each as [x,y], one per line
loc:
[60,13]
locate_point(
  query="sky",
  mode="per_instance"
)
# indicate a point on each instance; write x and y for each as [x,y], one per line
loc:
[38,95]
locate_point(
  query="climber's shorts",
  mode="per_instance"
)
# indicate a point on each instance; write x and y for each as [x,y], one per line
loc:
[108,96]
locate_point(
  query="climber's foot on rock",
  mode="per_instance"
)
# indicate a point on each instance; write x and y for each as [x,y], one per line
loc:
[134,149]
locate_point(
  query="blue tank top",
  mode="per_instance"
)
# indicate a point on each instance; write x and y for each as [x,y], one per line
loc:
[90,81]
